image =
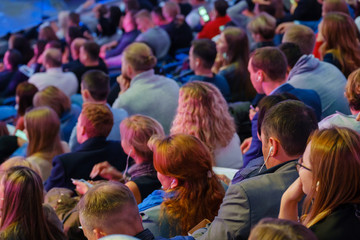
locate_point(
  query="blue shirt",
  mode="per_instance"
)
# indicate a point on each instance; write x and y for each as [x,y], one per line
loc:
[219,81]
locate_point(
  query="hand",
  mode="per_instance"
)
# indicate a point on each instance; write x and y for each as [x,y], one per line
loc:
[123,82]
[358,117]
[281,29]
[224,178]
[81,187]
[105,170]
[294,193]
[245,146]
[252,112]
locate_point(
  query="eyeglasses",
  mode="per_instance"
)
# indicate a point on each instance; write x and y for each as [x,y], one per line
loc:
[299,165]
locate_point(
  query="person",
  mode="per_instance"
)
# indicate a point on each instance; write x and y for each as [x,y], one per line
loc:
[47,34]
[352,94]
[231,61]
[94,125]
[332,205]
[271,228]
[284,133]
[141,178]
[267,67]
[19,161]
[193,191]
[310,73]
[22,44]
[95,87]
[262,28]
[57,100]
[193,19]
[220,19]
[110,208]
[154,36]
[22,216]
[203,113]
[43,127]
[54,76]
[202,57]
[139,85]
[157,16]
[75,53]
[25,93]
[340,47]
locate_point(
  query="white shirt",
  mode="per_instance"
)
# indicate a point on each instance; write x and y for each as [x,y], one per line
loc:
[65,81]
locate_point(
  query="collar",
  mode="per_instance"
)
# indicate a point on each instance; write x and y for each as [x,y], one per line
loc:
[145,235]
[54,70]
[92,143]
[141,76]
[285,87]
[288,164]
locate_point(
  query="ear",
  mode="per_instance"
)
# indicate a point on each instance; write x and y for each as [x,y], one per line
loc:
[197,62]
[86,94]
[260,76]
[274,143]
[98,233]
[129,70]
[174,183]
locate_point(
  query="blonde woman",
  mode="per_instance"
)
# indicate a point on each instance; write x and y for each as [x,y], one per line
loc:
[203,113]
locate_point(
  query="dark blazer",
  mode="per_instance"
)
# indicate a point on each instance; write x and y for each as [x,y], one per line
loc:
[78,164]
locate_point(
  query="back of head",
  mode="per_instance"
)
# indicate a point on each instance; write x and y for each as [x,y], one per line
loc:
[352,90]
[92,49]
[264,25]
[73,32]
[139,56]
[19,161]
[20,43]
[170,10]
[292,53]
[301,35]
[54,98]
[97,83]
[43,126]
[238,46]
[220,7]
[76,44]
[47,33]
[74,18]
[334,6]
[137,130]
[270,60]
[52,57]
[110,207]
[280,229]
[14,58]
[203,112]
[25,91]
[97,119]
[335,162]
[291,122]
[143,15]
[205,49]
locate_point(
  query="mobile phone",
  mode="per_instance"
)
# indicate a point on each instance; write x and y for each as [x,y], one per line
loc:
[204,14]
[83,181]
[21,135]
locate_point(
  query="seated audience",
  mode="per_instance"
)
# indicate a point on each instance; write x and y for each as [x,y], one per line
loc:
[284,133]
[94,125]
[57,100]
[262,28]
[95,87]
[110,208]
[329,175]
[139,85]
[341,42]
[203,113]
[157,16]
[22,44]
[185,7]
[47,34]
[23,216]
[19,161]
[352,93]
[54,75]
[193,191]
[220,19]
[74,22]
[155,37]
[310,73]
[231,61]
[273,228]
[178,30]
[193,18]
[75,53]
[202,57]
[43,131]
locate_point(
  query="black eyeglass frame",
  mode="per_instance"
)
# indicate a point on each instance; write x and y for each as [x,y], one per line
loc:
[300,165]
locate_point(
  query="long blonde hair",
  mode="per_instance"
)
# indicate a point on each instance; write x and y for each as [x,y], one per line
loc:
[203,113]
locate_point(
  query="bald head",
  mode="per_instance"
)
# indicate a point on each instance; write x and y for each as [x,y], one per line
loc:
[52,58]
[301,35]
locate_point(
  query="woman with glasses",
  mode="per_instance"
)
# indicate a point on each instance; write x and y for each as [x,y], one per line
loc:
[329,175]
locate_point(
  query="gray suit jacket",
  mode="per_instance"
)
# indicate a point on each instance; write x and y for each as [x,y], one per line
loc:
[248,201]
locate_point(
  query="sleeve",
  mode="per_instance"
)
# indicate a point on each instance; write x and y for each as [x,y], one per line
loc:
[57,176]
[233,220]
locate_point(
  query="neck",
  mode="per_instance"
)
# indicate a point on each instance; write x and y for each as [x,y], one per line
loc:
[204,72]
[270,85]
[91,63]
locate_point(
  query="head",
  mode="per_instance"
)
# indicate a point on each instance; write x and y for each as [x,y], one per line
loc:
[95,86]
[157,16]
[74,19]
[301,35]
[42,126]
[25,93]
[22,44]
[292,53]
[326,183]
[280,229]
[39,47]
[202,54]
[19,162]
[334,6]
[12,59]
[89,52]
[95,120]
[352,91]
[137,58]
[143,20]
[73,33]
[109,208]
[54,98]
[75,47]
[262,27]
[135,133]
[220,7]
[267,67]
[184,166]
[52,58]
[129,23]
[47,34]
[203,112]
[285,130]
[170,10]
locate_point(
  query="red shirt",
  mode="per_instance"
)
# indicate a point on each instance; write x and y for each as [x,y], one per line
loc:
[211,29]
